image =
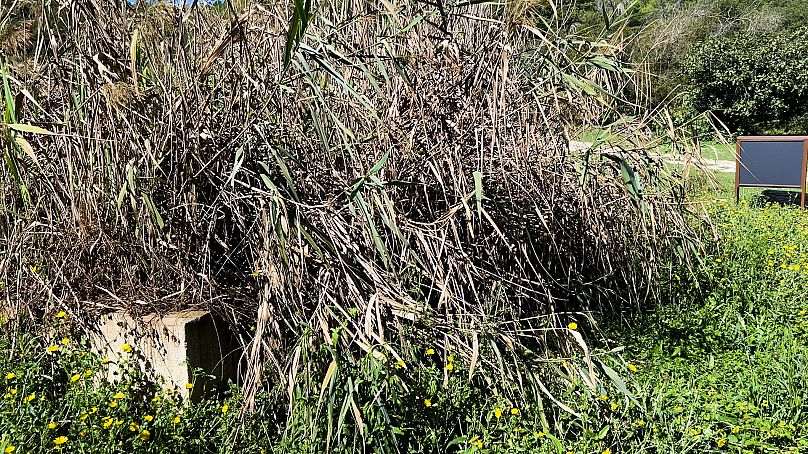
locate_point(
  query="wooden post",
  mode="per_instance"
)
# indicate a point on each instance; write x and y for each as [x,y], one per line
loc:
[804,171]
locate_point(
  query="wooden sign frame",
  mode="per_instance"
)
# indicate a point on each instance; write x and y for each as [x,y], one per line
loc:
[739,163]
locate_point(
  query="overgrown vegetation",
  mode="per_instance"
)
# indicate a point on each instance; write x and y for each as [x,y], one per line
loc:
[382,200]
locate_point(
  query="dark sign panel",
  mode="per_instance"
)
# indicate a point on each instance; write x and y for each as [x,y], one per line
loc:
[772,161]
[771,164]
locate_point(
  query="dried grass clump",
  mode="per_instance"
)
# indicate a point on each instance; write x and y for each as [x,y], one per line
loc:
[372,167]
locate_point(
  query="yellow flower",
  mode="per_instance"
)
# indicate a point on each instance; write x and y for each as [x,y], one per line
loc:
[9,449]
[604,397]
[113,404]
[75,378]
[632,367]
[60,440]
[450,366]
[640,422]
[539,434]
[119,395]
[30,397]
[65,341]
[52,425]
[225,408]
[133,426]
[149,418]
[400,363]
[514,411]
[12,391]
[430,351]
[189,386]
[614,406]
[176,420]
[736,429]
[450,359]
[88,373]
[573,326]
[694,431]
[427,403]
[144,434]
[802,312]
[53,348]
[497,413]
[607,451]
[722,442]
[479,444]
[107,422]
[84,416]
[93,410]
[10,375]
[126,348]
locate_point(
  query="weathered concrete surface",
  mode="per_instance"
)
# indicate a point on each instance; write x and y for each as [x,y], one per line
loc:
[173,347]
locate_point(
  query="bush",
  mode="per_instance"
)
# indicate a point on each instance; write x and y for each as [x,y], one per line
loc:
[756,84]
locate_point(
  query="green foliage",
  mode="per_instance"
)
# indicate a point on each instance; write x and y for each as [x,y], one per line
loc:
[755,84]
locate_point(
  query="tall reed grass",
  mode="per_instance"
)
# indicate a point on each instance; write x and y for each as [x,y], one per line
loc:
[335,174]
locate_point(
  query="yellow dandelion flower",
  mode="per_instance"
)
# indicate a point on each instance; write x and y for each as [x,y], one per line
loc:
[144,434]
[52,425]
[736,429]
[450,359]
[107,423]
[539,434]
[604,397]
[149,418]
[640,422]
[61,314]
[133,426]
[401,363]
[58,441]
[10,375]
[53,348]
[607,451]
[119,395]
[126,348]
[802,312]
[84,416]
[113,404]
[497,413]
[30,397]
[427,403]
[430,351]
[88,373]
[514,411]
[225,408]
[573,326]
[450,366]
[65,341]
[189,386]
[694,431]
[176,420]
[12,391]
[93,410]
[632,367]
[75,378]
[9,449]
[721,442]
[614,406]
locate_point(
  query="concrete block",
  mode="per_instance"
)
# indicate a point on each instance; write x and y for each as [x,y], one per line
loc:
[173,346]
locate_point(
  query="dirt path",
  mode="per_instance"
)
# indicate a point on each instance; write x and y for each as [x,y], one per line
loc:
[712,164]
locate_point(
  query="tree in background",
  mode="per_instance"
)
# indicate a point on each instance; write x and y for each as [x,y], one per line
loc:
[753,83]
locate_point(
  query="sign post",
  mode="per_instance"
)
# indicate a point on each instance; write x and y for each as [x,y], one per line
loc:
[771,162]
